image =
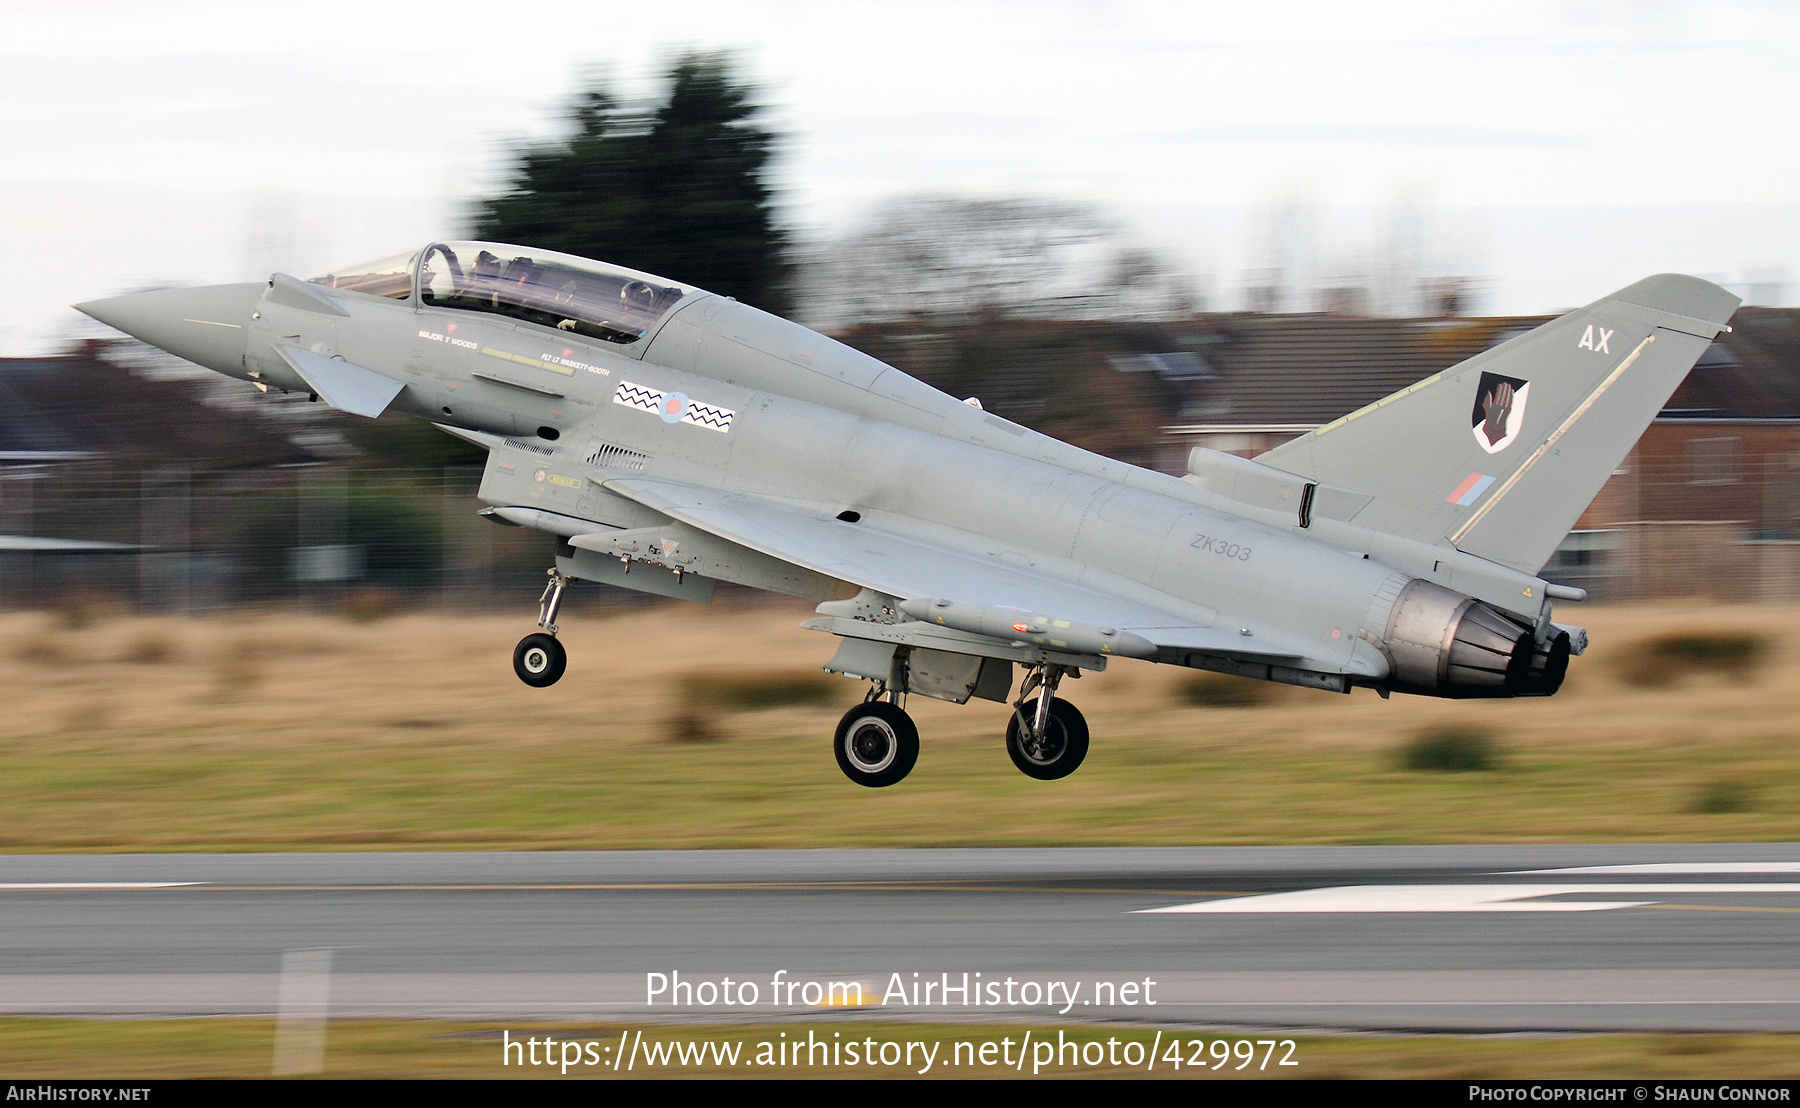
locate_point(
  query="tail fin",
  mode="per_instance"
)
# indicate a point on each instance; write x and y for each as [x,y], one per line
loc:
[1499,455]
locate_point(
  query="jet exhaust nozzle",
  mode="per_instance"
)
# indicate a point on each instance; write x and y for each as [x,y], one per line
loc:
[1446,644]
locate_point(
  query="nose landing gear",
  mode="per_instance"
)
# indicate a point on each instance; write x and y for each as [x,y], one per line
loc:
[540,659]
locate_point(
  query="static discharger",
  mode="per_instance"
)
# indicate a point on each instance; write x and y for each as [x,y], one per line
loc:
[1027,627]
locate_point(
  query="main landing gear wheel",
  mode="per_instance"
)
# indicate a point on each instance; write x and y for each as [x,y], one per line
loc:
[876,744]
[539,660]
[1056,753]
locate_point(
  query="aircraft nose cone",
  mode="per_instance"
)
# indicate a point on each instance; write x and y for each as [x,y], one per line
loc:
[207,325]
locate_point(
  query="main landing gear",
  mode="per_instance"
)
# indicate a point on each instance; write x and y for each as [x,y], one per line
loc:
[540,659]
[877,743]
[1046,736]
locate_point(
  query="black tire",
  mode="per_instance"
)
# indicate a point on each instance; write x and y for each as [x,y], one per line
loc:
[1062,749]
[876,744]
[539,660]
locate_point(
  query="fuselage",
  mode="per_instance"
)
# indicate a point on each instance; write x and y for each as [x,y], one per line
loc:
[718,394]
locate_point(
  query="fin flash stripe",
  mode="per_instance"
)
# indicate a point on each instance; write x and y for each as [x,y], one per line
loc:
[1470,490]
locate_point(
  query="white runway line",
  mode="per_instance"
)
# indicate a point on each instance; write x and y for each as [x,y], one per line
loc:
[96,886]
[300,1007]
[1460,898]
[1672,867]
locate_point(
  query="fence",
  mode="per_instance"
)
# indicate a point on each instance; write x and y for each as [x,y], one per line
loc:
[327,536]
[319,535]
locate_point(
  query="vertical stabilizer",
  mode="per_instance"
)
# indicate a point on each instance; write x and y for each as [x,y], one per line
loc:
[1499,455]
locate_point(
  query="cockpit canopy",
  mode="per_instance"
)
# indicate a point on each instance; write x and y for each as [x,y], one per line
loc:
[538,286]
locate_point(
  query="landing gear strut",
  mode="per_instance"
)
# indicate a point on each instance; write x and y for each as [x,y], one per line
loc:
[1046,737]
[540,659]
[876,743]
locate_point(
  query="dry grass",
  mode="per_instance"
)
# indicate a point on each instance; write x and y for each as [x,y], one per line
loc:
[40,1049]
[275,731]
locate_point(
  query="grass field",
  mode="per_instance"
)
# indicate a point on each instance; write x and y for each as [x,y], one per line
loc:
[686,727]
[123,1050]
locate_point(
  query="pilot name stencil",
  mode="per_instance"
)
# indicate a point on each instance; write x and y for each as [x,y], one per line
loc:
[673,407]
[434,336]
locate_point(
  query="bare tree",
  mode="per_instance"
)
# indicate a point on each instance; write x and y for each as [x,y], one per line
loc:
[955,259]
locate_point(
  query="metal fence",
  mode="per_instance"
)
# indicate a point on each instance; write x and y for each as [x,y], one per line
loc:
[314,535]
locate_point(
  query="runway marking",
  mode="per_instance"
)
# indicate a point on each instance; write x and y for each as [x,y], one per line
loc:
[1356,899]
[77,886]
[1724,908]
[687,886]
[1673,867]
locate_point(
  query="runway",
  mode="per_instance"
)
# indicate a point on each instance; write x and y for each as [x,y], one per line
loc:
[1492,938]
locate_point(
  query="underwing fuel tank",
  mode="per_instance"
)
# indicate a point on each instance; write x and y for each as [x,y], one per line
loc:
[1021,626]
[1442,643]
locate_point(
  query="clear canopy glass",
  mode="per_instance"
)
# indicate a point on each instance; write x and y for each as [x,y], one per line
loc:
[391,277]
[546,288]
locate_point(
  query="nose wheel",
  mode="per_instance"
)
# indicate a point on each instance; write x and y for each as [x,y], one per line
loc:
[876,744]
[540,659]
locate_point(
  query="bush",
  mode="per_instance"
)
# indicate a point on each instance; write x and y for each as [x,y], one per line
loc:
[42,650]
[370,605]
[150,649]
[1668,658]
[1452,750]
[1718,798]
[691,725]
[1222,690]
[753,691]
[237,668]
[82,610]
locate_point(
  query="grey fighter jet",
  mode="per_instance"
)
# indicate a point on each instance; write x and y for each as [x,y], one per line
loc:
[671,439]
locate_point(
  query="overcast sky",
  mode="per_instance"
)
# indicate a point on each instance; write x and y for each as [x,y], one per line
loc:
[1556,151]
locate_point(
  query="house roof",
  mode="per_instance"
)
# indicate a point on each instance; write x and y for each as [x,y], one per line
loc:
[1753,372]
[1117,388]
[82,405]
[1304,370]
[1284,372]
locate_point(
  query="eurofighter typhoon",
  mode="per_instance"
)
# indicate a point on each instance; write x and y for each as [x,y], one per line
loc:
[671,439]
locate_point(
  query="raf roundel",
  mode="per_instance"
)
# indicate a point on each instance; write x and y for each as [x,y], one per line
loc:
[674,407]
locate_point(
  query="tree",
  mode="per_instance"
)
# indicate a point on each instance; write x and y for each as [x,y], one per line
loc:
[954,259]
[678,187]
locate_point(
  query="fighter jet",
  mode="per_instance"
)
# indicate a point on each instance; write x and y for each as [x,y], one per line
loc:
[671,439]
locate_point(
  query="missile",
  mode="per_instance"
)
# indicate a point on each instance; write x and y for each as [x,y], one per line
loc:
[1027,627]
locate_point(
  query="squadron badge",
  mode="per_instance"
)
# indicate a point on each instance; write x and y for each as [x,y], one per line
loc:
[1499,413]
